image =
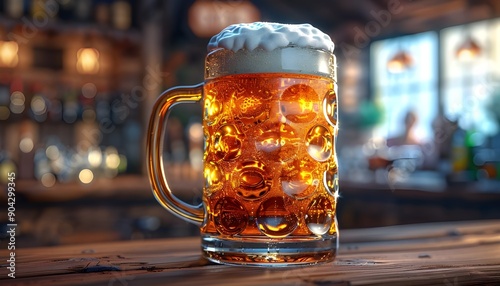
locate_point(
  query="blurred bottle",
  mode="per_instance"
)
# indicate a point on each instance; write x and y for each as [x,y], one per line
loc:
[466,146]
[473,142]
[459,153]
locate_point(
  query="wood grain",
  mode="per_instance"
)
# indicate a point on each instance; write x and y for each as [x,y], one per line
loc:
[457,253]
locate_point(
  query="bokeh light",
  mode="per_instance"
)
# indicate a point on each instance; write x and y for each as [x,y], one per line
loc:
[196,132]
[86,176]
[8,53]
[112,161]
[26,145]
[87,61]
[48,180]
[52,152]
[17,100]
[95,157]
[38,105]
[4,113]
[6,167]
[89,90]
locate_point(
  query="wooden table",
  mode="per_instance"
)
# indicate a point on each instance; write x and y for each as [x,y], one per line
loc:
[457,253]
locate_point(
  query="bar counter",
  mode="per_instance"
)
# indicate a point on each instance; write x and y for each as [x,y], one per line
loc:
[451,253]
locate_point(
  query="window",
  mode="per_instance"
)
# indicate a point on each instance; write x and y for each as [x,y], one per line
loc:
[469,81]
[410,89]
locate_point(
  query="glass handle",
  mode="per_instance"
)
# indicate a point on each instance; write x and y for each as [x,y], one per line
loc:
[156,137]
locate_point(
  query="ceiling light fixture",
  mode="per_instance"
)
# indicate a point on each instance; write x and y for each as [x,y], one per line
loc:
[468,50]
[400,62]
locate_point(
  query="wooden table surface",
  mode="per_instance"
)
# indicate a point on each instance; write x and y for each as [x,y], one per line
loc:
[455,253]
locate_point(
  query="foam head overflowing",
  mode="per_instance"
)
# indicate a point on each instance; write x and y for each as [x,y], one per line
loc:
[270,36]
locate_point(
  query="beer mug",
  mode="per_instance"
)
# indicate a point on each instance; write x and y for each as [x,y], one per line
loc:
[269,165]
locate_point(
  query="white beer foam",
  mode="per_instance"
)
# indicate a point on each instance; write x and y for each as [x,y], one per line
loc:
[270,36]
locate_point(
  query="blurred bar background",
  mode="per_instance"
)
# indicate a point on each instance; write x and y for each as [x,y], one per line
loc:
[419,107]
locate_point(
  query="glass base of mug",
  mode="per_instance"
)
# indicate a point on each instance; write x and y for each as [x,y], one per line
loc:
[266,252]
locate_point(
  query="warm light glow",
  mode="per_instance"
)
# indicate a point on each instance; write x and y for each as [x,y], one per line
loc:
[95,157]
[196,132]
[113,161]
[86,176]
[6,167]
[111,150]
[468,50]
[87,61]
[8,54]
[400,62]
[207,18]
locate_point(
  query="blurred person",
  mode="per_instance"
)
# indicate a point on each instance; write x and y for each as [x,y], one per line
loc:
[408,137]
[408,145]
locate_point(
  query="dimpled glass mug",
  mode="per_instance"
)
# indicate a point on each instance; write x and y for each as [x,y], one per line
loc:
[270,126]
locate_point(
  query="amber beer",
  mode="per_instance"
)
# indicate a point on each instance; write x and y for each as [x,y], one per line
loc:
[270,126]
[270,166]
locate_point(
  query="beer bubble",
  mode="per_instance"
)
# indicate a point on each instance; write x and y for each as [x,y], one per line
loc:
[331,181]
[289,141]
[274,220]
[299,103]
[227,142]
[319,142]
[279,139]
[330,107]
[249,180]
[214,178]
[269,141]
[299,179]
[320,215]
[212,108]
[230,216]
